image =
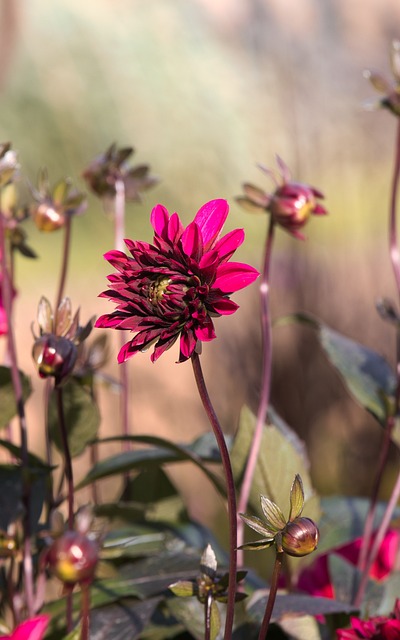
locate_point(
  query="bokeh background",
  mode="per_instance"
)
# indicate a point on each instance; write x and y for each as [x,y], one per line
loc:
[205,89]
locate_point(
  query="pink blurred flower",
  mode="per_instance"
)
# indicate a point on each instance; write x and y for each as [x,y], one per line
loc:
[175,287]
[378,628]
[33,629]
[315,579]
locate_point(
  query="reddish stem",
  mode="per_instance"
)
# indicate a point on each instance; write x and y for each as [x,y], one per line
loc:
[265,387]
[271,596]
[230,486]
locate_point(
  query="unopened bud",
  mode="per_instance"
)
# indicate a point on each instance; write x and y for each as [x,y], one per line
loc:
[292,204]
[300,537]
[73,558]
[47,217]
[54,356]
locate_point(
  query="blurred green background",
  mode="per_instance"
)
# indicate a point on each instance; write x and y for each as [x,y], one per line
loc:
[205,89]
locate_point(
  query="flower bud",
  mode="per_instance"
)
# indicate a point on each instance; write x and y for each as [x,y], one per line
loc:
[54,356]
[73,558]
[292,204]
[300,537]
[47,217]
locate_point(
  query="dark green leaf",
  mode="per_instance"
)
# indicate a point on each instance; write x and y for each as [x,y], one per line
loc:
[346,578]
[133,543]
[81,416]
[366,374]
[8,405]
[293,604]
[11,493]
[201,451]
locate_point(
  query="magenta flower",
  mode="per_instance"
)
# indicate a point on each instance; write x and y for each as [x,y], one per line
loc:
[175,287]
[315,579]
[33,629]
[378,628]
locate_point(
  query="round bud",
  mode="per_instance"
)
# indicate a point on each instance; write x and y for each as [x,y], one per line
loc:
[54,356]
[292,204]
[73,558]
[300,537]
[47,217]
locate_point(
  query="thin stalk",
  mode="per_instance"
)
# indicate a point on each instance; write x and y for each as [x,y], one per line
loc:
[230,487]
[85,595]
[265,386]
[67,456]
[367,559]
[378,540]
[17,386]
[64,264]
[207,617]
[119,231]
[271,596]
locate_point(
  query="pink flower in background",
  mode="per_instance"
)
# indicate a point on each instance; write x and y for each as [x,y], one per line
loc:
[378,628]
[175,287]
[33,629]
[316,580]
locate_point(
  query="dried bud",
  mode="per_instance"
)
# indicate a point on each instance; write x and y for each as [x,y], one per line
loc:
[54,356]
[390,91]
[300,537]
[8,164]
[54,206]
[73,558]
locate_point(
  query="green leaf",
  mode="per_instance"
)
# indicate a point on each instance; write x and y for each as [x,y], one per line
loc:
[183,588]
[281,457]
[33,460]
[201,451]
[190,613]
[81,416]
[258,525]
[296,498]
[11,493]
[131,542]
[273,515]
[215,621]
[293,604]
[8,405]
[345,579]
[367,375]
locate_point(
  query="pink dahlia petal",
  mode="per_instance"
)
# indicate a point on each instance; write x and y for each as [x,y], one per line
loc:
[211,218]
[206,331]
[192,241]
[232,276]
[319,210]
[227,245]
[175,228]
[33,629]
[159,220]
[108,321]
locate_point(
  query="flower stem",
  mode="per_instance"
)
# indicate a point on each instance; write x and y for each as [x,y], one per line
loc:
[119,234]
[365,562]
[19,399]
[65,259]
[271,596]
[207,617]
[67,456]
[231,496]
[265,387]
[85,595]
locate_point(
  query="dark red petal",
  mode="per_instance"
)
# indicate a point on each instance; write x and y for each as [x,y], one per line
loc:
[107,321]
[211,218]
[187,344]
[224,306]
[232,276]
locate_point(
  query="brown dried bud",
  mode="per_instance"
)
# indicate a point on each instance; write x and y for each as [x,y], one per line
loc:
[300,537]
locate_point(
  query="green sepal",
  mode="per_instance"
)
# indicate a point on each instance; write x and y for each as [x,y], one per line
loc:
[258,525]
[274,516]
[183,588]
[296,498]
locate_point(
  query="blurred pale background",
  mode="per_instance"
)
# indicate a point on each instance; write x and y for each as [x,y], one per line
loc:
[205,89]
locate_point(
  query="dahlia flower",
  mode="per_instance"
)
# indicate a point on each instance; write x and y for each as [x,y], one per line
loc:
[378,628]
[174,287]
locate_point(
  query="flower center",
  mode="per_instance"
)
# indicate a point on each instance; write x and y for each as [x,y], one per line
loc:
[158,288]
